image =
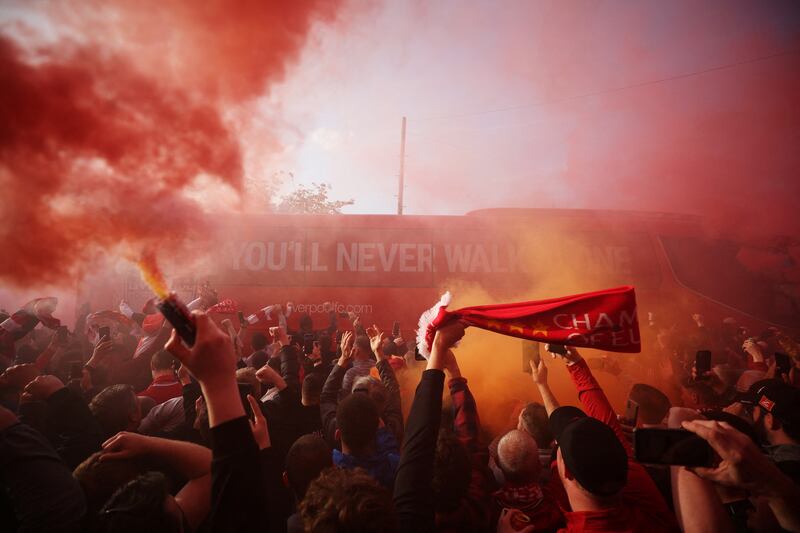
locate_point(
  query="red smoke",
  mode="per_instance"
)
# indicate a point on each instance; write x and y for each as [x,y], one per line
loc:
[101,138]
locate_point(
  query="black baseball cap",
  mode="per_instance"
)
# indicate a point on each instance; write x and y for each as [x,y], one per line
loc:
[777,398]
[591,451]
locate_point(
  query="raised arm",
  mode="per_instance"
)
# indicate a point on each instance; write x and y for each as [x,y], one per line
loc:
[392,413]
[744,466]
[467,426]
[189,460]
[591,395]
[539,376]
[697,505]
[238,491]
[329,397]
[413,493]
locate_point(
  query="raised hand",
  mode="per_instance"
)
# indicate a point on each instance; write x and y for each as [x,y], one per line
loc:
[125,445]
[570,357]
[742,466]
[102,351]
[448,335]
[376,338]
[212,357]
[258,425]
[347,342]
[212,362]
[538,371]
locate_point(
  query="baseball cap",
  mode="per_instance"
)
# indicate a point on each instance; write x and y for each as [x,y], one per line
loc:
[777,398]
[591,451]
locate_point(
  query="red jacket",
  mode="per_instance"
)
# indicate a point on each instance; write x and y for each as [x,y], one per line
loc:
[641,506]
[163,388]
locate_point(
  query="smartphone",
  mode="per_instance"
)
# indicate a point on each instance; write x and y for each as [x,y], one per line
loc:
[530,352]
[242,321]
[308,343]
[631,413]
[104,333]
[244,390]
[75,370]
[560,349]
[702,362]
[783,363]
[395,329]
[671,447]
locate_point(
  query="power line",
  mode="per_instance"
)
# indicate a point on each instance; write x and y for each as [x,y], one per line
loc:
[609,90]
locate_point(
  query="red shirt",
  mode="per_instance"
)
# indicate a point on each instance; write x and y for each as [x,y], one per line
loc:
[163,388]
[641,506]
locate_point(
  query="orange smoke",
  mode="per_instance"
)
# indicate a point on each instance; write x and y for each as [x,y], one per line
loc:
[106,139]
[151,274]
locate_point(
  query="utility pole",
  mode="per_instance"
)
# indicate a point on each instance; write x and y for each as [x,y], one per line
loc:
[402,167]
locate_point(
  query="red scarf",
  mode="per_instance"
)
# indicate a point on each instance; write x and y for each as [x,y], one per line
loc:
[605,320]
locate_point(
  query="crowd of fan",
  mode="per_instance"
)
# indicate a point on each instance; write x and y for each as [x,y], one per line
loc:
[306,432]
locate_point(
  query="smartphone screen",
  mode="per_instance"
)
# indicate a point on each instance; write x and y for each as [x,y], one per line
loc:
[631,413]
[671,447]
[530,352]
[702,362]
[104,333]
[783,363]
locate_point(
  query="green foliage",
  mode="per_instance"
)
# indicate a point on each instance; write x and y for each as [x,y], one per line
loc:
[311,200]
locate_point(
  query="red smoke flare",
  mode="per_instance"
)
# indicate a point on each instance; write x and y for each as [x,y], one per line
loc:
[100,140]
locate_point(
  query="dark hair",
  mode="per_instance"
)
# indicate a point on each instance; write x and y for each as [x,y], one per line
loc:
[536,422]
[308,456]
[312,387]
[139,506]
[653,404]
[162,360]
[306,324]
[357,419]
[258,341]
[347,501]
[451,472]
[112,408]
[362,343]
[706,397]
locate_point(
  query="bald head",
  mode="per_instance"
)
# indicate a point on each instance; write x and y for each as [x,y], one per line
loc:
[518,456]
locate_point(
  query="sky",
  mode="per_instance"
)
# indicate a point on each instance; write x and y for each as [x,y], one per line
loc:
[122,118]
[494,93]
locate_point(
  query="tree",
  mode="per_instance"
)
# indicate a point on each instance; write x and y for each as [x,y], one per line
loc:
[312,200]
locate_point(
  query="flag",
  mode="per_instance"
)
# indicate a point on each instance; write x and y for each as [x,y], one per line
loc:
[263,314]
[225,307]
[605,320]
[114,320]
[22,321]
